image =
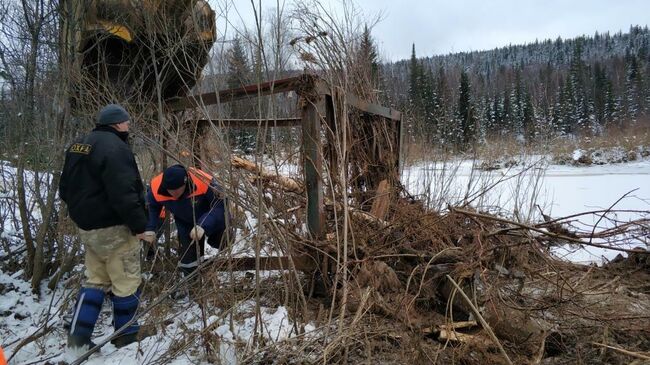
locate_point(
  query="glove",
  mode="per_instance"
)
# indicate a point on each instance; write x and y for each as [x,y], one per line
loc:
[149,236]
[197,233]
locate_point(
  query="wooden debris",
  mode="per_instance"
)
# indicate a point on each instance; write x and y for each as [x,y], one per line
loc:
[368,217]
[448,333]
[638,355]
[459,325]
[466,338]
[449,327]
[478,315]
[379,276]
[298,262]
[382,200]
[284,182]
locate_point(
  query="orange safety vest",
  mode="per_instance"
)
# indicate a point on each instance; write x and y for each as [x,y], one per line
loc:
[200,179]
[3,360]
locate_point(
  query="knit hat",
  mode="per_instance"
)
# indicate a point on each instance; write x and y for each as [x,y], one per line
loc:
[112,114]
[174,177]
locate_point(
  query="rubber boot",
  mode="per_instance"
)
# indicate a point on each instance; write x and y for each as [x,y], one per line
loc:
[124,309]
[89,304]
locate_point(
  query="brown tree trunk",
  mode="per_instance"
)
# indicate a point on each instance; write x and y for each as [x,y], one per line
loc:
[24,217]
[67,263]
[39,262]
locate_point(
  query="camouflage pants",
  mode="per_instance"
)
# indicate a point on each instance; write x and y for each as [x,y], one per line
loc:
[112,259]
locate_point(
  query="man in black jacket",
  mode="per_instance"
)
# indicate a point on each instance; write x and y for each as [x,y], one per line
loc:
[102,187]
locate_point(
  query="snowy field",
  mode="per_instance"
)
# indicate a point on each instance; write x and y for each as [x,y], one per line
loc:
[514,192]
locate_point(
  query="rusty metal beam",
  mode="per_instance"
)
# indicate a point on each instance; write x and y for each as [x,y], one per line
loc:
[301,262]
[371,108]
[245,92]
[251,123]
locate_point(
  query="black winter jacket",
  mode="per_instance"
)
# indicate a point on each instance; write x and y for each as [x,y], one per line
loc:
[101,184]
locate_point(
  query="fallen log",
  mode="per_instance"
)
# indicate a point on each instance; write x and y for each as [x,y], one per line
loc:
[286,183]
[466,338]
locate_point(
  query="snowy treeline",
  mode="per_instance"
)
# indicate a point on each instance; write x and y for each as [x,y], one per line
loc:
[575,86]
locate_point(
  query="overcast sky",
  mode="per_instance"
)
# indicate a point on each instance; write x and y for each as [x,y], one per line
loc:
[440,27]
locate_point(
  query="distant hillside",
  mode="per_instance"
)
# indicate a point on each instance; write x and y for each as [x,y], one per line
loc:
[573,86]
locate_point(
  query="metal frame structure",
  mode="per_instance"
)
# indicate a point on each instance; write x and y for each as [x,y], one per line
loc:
[319,99]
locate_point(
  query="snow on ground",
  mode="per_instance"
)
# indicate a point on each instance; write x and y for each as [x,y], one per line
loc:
[560,190]
[23,314]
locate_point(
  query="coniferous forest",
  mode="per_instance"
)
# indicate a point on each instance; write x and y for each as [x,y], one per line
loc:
[574,87]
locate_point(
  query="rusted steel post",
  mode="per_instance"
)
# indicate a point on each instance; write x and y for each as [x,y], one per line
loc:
[331,134]
[400,146]
[313,164]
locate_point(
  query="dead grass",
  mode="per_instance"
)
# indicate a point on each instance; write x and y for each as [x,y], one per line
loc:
[498,150]
[629,138]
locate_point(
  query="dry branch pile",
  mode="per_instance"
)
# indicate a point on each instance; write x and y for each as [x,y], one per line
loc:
[472,288]
[541,309]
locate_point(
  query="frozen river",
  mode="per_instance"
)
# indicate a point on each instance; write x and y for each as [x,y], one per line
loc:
[560,190]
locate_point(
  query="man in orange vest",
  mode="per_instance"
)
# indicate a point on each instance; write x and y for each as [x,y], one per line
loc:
[196,201]
[3,360]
